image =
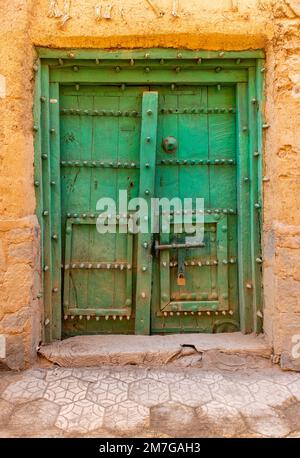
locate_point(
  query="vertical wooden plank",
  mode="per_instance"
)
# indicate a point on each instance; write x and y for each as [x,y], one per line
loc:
[147,180]
[222,253]
[243,199]
[38,174]
[55,210]
[46,212]
[259,79]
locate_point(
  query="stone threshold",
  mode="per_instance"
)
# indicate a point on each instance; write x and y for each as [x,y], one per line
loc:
[230,351]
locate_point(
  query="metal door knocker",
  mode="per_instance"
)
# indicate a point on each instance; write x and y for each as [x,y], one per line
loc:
[170,144]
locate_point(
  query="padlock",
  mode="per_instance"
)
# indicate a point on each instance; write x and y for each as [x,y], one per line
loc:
[181,279]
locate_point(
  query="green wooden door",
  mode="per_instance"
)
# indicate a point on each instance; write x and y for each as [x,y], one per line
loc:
[111,139]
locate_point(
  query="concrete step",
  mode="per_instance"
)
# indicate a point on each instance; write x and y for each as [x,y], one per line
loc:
[228,350]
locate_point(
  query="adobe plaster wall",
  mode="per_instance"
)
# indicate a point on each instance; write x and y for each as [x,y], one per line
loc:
[202,24]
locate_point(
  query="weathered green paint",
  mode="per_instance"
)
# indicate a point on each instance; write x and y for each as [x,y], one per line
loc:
[46,211]
[146,53]
[97,148]
[148,146]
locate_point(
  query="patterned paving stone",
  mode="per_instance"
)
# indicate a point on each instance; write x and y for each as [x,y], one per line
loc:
[174,419]
[108,391]
[5,411]
[90,374]
[148,392]
[36,373]
[34,415]
[207,377]
[66,390]
[80,416]
[126,416]
[264,420]
[232,394]
[24,390]
[128,375]
[294,388]
[220,420]
[190,393]
[269,393]
[166,376]
[58,373]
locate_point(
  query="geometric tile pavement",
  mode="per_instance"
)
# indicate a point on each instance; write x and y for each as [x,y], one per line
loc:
[152,402]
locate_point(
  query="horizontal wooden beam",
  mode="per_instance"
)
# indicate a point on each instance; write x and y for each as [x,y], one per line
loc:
[140,76]
[146,54]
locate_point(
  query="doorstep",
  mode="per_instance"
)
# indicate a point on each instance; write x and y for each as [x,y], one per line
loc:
[225,351]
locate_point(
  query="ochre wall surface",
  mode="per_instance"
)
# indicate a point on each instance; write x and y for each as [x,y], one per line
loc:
[273,25]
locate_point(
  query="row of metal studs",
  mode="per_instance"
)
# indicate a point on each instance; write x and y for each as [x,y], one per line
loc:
[120,317]
[134,165]
[130,165]
[88,317]
[97,265]
[208,312]
[216,110]
[75,111]
[118,69]
[203,263]
[134,113]
[208,211]
[147,55]
[197,162]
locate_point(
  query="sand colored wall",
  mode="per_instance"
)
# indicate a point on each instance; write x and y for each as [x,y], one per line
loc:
[202,24]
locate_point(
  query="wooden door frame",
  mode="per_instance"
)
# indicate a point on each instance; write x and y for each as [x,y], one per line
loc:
[243,69]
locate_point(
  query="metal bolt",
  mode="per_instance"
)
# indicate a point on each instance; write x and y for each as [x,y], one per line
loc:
[147,165]
[75,68]
[143,295]
[55,290]
[259,260]
[265,126]
[52,131]
[266,179]
[144,268]
[118,69]
[35,128]
[238,61]
[253,101]
[53,183]
[246,179]
[148,139]
[149,112]
[218,69]
[248,285]
[145,244]
[147,192]
[46,322]
[257,205]
[54,236]
[177,69]
[245,128]
[256,154]
[36,183]
[45,213]
[147,69]
[147,55]
[46,268]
